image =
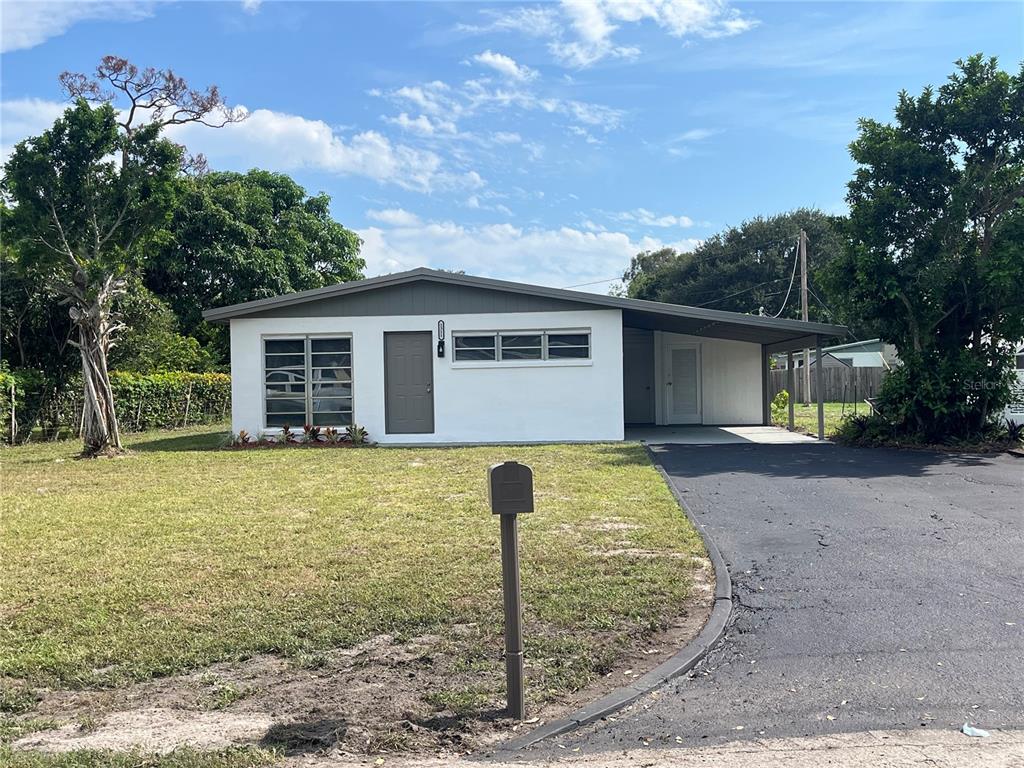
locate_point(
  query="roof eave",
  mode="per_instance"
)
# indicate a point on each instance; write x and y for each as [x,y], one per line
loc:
[800,327]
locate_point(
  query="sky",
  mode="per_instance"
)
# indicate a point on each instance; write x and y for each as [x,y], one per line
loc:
[540,142]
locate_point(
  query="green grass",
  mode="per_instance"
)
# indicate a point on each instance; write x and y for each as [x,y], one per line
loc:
[180,555]
[805,417]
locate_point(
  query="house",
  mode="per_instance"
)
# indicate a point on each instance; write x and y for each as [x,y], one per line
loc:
[427,356]
[872,353]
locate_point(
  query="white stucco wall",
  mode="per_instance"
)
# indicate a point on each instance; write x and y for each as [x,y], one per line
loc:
[730,379]
[473,402]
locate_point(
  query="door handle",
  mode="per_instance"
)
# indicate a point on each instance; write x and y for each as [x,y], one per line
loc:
[668,383]
[429,390]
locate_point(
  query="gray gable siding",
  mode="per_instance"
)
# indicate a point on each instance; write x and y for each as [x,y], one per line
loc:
[421,298]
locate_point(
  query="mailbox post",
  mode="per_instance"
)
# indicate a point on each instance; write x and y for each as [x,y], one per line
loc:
[510,489]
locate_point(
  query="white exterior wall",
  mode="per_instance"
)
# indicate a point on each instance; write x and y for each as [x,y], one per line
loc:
[730,379]
[521,401]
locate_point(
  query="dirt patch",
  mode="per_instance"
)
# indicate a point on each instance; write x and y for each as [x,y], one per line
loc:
[154,730]
[377,697]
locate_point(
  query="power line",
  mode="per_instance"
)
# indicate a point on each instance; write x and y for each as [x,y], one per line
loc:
[738,293]
[792,278]
[596,282]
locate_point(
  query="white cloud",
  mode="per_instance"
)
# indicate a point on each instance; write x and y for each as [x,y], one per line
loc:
[581,32]
[505,65]
[534,21]
[27,24]
[648,218]
[422,125]
[584,134]
[21,118]
[288,142]
[251,6]
[431,97]
[556,257]
[694,134]
[506,137]
[477,95]
[394,217]
[278,141]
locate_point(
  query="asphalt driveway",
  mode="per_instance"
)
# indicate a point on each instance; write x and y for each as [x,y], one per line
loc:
[873,589]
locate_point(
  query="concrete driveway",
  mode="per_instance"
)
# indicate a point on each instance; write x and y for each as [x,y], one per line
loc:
[874,590]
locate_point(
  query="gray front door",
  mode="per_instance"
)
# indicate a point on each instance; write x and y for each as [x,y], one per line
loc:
[408,383]
[638,375]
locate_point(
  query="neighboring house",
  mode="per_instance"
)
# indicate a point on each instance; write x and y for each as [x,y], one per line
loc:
[873,353]
[427,356]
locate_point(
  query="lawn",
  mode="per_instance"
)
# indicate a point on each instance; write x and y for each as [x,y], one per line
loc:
[183,554]
[805,417]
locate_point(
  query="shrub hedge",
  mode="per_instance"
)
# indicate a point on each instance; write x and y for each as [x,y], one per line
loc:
[143,401]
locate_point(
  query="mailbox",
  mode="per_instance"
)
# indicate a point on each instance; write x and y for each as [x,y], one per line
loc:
[510,488]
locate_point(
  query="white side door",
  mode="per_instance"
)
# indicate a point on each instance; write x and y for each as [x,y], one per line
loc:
[682,384]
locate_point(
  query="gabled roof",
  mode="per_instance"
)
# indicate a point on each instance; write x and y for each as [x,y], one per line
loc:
[636,312]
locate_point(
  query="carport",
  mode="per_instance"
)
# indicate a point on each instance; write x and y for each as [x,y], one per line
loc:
[690,365]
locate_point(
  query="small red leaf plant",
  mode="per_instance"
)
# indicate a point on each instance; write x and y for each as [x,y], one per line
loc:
[311,437]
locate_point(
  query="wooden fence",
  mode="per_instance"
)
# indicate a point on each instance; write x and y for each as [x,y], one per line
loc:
[842,384]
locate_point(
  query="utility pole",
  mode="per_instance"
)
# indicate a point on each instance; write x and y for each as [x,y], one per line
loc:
[803,313]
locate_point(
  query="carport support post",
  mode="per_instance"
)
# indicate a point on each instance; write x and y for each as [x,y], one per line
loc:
[819,380]
[789,386]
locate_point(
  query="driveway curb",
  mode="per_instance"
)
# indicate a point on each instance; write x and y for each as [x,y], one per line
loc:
[680,663]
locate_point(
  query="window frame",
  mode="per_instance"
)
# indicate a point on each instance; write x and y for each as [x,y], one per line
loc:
[307,368]
[544,361]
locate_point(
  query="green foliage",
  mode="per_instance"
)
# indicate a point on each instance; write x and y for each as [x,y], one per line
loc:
[741,269]
[780,406]
[150,341]
[867,430]
[185,243]
[938,394]
[935,258]
[237,237]
[31,392]
[34,327]
[85,191]
[356,434]
[144,401]
[167,400]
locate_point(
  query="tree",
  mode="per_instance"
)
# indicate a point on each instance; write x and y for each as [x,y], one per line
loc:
[80,214]
[935,260]
[743,269]
[151,341]
[237,237]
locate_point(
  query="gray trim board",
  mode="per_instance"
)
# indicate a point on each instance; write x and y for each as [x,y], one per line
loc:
[698,321]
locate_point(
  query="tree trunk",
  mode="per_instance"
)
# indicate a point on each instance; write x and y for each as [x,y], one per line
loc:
[92,313]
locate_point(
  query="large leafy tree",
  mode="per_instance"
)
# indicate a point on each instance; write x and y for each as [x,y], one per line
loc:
[237,237]
[87,191]
[935,261]
[742,269]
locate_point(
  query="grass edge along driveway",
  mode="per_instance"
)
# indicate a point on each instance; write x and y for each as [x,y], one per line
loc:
[181,555]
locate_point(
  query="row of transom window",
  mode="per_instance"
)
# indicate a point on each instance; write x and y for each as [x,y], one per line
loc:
[533,345]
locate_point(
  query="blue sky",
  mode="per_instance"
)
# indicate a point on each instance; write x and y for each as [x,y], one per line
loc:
[538,142]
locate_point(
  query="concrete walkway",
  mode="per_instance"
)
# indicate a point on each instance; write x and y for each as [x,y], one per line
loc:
[700,435]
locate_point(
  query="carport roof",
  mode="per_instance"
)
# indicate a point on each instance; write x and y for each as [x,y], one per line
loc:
[779,334]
